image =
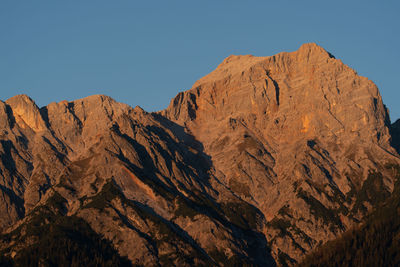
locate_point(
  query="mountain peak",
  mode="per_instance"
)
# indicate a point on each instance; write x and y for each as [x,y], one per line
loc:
[26,112]
[314,50]
[244,65]
[311,46]
[290,89]
[98,98]
[19,99]
[99,104]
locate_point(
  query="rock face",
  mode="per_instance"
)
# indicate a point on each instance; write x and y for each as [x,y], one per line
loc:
[261,161]
[295,135]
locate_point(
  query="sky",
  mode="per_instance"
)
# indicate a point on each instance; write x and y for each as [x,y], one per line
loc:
[145,52]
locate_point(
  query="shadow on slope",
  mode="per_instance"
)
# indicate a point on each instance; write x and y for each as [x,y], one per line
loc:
[240,217]
[375,242]
[395,133]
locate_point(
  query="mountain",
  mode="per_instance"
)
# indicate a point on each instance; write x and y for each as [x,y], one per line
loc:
[298,135]
[259,163]
[136,179]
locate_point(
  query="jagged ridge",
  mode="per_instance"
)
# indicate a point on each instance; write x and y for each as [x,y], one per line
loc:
[264,156]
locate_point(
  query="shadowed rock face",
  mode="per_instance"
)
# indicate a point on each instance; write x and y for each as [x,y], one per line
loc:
[261,161]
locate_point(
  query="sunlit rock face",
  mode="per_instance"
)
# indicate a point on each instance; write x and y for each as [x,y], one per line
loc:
[261,161]
[295,135]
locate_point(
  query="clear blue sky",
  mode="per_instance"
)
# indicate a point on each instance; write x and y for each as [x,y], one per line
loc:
[145,52]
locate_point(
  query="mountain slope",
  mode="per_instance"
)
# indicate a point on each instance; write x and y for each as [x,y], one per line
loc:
[375,242]
[263,160]
[136,182]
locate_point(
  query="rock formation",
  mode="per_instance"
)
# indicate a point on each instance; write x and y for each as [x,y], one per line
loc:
[264,159]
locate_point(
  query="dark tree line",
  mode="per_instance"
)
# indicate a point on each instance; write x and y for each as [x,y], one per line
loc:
[375,242]
[67,242]
[52,239]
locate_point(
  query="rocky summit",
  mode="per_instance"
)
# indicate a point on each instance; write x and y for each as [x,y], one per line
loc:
[261,162]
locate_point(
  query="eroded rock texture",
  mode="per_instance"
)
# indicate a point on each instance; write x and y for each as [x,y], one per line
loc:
[261,161]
